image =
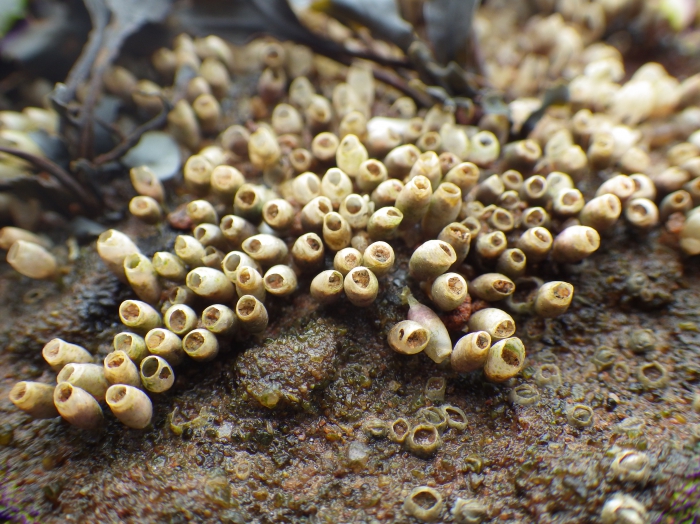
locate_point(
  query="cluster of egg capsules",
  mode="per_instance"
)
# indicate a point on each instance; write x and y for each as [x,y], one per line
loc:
[427,190]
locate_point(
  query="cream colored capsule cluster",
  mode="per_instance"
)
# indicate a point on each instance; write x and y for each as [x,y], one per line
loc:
[83,386]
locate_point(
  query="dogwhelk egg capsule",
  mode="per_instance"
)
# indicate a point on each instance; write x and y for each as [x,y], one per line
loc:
[400,160]
[249,201]
[464,175]
[113,247]
[157,375]
[77,406]
[336,185]
[642,213]
[252,314]
[90,377]
[142,278]
[361,286]
[201,345]
[263,148]
[236,229]
[490,190]
[350,155]
[266,249]
[180,319]
[32,260]
[485,148]
[132,344]
[443,209]
[439,345]
[211,284]
[492,287]
[408,337]
[414,199]
[120,369]
[139,315]
[324,146]
[574,244]
[130,405]
[250,282]
[384,223]
[280,280]
[378,258]
[337,233]
[220,320]
[201,211]
[197,173]
[601,213]
[568,202]
[189,250]
[147,183]
[347,259]
[305,187]
[534,217]
[505,359]
[278,213]
[226,180]
[9,235]
[553,299]
[677,202]
[470,351]
[327,286]
[145,209]
[308,251]
[301,160]
[35,399]
[448,291]
[165,344]
[496,322]
[372,173]
[427,165]
[621,186]
[313,213]
[536,243]
[431,259]
[459,237]
[534,190]
[386,193]
[512,263]
[491,245]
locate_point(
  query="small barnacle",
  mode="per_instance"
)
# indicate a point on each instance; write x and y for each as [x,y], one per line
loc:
[580,416]
[548,375]
[398,429]
[434,417]
[469,511]
[653,375]
[424,503]
[641,340]
[77,406]
[130,405]
[524,394]
[375,428]
[631,466]
[623,509]
[435,388]
[423,439]
[604,357]
[456,418]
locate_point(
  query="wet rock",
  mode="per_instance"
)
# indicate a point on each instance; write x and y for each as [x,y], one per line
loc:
[286,371]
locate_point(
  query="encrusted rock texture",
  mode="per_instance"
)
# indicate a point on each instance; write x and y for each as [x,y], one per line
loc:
[216,454]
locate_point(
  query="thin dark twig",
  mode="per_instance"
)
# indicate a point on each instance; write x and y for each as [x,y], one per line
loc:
[133,138]
[182,78]
[89,201]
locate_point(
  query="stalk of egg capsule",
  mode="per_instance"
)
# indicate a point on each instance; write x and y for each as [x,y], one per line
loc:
[439,347]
